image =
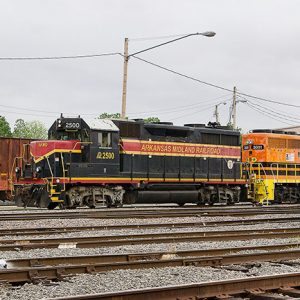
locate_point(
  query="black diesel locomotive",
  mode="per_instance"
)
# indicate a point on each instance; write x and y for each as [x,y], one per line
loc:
[129,161]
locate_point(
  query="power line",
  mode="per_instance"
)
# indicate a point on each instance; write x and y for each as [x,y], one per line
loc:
[61,57]
[148,62]
[267,114]
[272,113]
[176,108]
[288,117]
[151,63]
[198,111]
[211,84]
[181,74]
[28,109]
[27,114]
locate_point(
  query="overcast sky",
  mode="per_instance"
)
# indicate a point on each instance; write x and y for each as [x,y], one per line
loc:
[256,49]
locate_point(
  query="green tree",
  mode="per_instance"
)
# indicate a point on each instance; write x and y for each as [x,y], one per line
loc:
[110,116]
[118,116]
[30,130]
[152,120]
[5,130]
[19,128]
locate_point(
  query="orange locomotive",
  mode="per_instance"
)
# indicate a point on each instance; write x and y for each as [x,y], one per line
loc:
[272,165]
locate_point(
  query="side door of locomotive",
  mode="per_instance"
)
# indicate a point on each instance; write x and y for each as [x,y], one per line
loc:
[105,153]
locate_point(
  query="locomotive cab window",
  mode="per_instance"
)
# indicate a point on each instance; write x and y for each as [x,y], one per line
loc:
[104,139]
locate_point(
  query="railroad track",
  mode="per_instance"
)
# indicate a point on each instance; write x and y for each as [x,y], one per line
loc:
[261,287]
[36,270]
[152,238]
[153,213]
[58,268]
[58,230]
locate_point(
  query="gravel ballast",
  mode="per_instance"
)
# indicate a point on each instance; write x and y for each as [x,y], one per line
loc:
[121,280]
[168,247]
[55,223]
[100,233]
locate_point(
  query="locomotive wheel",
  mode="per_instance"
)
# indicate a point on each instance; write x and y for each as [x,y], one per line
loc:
[213,199]
[108,201]
[44,200]
[230,201]
[19,201]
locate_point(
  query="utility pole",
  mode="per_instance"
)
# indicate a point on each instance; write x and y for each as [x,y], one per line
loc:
[125,68]
[234,108]
[216,114]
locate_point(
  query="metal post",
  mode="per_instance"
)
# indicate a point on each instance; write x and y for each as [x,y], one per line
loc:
[216,114]
[123,113]
[234,108]
[126,58]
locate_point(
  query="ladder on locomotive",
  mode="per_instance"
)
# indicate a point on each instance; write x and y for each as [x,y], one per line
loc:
[258,186]
[55,186]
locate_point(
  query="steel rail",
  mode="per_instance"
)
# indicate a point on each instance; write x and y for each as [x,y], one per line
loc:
[56,230]
[219,289]
[153,235]
[159,213]
[36,274]
[127,257]
[175,237]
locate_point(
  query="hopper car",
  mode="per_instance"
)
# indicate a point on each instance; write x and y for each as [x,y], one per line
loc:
[10,150]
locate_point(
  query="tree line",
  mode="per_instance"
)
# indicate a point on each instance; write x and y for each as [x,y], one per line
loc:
[37,130]
[23,129]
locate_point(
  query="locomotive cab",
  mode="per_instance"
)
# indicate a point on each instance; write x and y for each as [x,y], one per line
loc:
[97,143]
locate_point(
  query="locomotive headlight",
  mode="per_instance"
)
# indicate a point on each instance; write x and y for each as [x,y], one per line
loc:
[57,180]
[17,170]
[38,169]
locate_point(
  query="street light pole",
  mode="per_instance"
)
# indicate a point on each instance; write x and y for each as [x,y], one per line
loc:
[127,56]
[216,113]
